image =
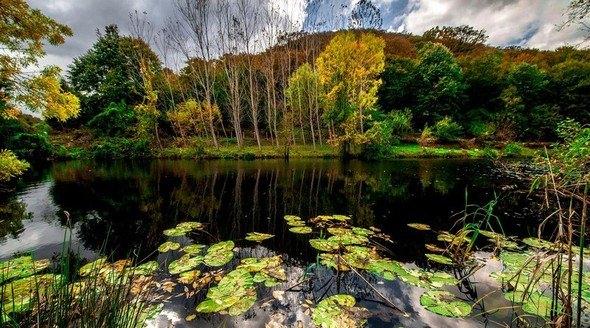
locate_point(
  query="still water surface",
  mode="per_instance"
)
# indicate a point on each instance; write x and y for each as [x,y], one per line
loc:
[121,208]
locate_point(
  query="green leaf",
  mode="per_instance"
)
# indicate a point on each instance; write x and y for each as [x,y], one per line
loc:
[445,304]
[219,254]
[168,246]
[258,236]
[301,230]
[419,226]
[439,259]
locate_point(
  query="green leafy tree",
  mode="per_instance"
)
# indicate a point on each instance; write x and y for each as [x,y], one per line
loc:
[571,84]
[400,85]
[349,70]
[441,89]
[110,72]
[10,166]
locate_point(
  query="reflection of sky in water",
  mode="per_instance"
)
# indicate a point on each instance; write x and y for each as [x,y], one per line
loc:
[43,234]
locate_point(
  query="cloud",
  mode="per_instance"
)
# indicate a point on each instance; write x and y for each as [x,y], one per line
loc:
[529,23]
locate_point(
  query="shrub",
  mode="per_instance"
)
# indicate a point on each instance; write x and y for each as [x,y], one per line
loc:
[115,120]
[447,130]
[427,137]
[482,130]
[11,166]
[387,132]
[120,148]
[568,129]
[514,149]
[31,146]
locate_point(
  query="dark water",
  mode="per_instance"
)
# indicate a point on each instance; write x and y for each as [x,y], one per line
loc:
[122,208]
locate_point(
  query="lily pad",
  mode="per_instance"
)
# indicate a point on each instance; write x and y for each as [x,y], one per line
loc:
[185,263]
[324,245]
[93,267]
[183,228]
[349,239]
[294,221]
[301,230]
[339,231]
[362,231]
[434,248]
[258,236]
[234,294]
[146,269]
[194,249]
[219,254]
[189,277]
[445,304]
[168,246]
[439,259]
[21,267]
[18,295]
[419,226]
[538,304]
[385,268]
[338,311]
[267,270]
[539,243]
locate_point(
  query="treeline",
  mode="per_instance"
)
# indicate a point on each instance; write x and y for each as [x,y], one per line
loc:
[234,73]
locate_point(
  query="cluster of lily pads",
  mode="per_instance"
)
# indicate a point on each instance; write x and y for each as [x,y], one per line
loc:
[526,278]
[350,248]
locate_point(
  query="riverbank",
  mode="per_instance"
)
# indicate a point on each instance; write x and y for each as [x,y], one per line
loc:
[126,148]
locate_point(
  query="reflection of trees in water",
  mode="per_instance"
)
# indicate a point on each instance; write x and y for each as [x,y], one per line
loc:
[131,203]
[12,214]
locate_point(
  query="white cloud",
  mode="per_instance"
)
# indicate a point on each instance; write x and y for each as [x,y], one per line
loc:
[530,23]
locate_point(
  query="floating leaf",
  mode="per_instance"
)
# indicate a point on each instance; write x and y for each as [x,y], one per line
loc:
[258,236]
[17,295]
[219,254]
[267,270]
[93,267]
[333,261]
[439,259]
[349,239]
[294,221]
[189,277]
[185,263]
[385,268]
[419,226]
[168,246]
[445,304]
[338,311]
[194,249]
[539,243]
[21,267]
[339,231]
[324,245]
[183,228]
[301,230]
[234,294]
[491,234]
[538,304]
[362,231]
[434,248]
[146,269]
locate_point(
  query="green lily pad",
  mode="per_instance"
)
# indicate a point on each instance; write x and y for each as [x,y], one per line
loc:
[385,268]
[349,239]
[301,230]
[539,243]
[324,245]
[146,269]
[362,231]
[294,221]
[219,254]
[258,236]
[491,234]
[93,267]
[538,304]
[185,263]
[193,249]
[18,295]
[338,311]
[234,294]
[339,231]
[183,228]
[168,246]
[439,259]
[419,226]
[21,267]
[188,277]
[334,261]
[445,304]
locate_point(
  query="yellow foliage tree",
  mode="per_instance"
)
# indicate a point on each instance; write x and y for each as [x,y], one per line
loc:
[349,70]
[191,118]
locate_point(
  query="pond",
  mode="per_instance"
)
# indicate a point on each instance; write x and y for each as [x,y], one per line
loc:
[122,208]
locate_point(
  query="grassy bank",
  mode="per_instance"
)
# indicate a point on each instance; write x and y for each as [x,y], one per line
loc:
[127,148]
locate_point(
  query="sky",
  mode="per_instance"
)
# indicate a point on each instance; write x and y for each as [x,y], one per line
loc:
[527,23]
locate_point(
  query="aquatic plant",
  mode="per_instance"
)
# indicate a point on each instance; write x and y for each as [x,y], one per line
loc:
[168,246]
[258,236]
[219,254]
[338,311]
[445,304]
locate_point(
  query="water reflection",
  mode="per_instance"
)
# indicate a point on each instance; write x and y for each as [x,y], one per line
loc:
[122,206]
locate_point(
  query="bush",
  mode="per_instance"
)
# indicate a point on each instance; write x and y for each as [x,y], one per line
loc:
[121,148]
[514,149]
[482,130]
[31,146]
[387,132]
[447,130]
[11,166]
[427,137]
[568,129]
[114,121]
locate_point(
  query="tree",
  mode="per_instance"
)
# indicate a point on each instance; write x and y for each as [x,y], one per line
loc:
[110,72]
[11,166]
[399,89]
[441,85]
[578,12]
[349,70]
[303,96]
[571,82]
[458,39]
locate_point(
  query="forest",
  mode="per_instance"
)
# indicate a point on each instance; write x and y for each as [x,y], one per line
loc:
[232,167]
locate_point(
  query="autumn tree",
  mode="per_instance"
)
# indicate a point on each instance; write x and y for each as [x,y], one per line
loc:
[303,96]
[457,38]
[349,70]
